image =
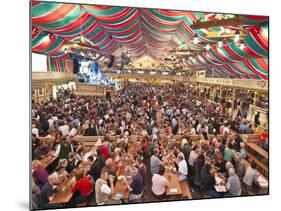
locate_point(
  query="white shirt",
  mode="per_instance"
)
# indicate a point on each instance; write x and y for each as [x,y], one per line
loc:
[55,118]
[64,129]
[73,132]
[57,152]
[51,122]
[250,176]
[193,131]
[182,170]
[226,130]
[35,131]
[159,184]
[192,157]
[105,189]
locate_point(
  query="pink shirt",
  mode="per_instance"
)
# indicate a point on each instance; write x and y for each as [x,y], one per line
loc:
[158,184]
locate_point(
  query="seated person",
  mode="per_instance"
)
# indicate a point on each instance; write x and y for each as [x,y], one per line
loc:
[41,151]
[111,165]
[102,190]
[59,175]
[39,173]
[159,183]
[47,194]
[136,185]
[82,189]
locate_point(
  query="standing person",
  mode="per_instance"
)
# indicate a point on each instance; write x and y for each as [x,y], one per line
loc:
[63,149]
[228,153]
[155,162]
[182,168]
[136,186]
[233,183]
[96,168]
[257,119]
[191,161]
[264,139]
[103,148]
[250,176]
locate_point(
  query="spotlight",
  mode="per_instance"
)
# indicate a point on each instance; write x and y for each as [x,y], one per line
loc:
[208,46]
[220,44]
[242,46]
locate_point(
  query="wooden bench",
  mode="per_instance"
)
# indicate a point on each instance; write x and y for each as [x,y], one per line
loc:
[258,162]
[186,193]
[257,149]
[254,138]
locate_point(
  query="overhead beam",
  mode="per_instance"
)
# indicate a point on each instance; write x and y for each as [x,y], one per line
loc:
[217,23]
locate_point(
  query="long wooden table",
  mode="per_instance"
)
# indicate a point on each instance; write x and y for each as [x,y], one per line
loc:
[64,193]
[174,187]
[120,186]
[46,161]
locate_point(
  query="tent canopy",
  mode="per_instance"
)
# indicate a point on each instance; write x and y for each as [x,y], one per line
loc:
[153,33]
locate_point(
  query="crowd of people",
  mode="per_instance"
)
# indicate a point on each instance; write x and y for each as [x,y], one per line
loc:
[148,117]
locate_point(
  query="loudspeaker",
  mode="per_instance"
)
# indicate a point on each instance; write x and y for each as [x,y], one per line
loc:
[75,66]
[111,60]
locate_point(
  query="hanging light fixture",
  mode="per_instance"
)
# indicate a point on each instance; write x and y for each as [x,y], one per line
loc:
[195,39]
[242,46]
[237,36]
[220,44]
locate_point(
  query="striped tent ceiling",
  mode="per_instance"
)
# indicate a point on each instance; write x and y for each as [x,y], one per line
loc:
[153,33]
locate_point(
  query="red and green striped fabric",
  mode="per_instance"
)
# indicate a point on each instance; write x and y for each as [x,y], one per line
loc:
[58,65]
[150,32]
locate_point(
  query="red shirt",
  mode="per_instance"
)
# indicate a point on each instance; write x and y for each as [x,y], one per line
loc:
[105,151]
[84,186]
[263,137]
